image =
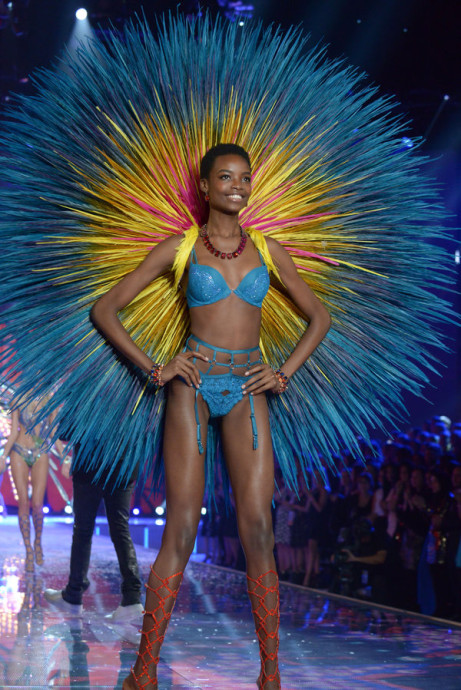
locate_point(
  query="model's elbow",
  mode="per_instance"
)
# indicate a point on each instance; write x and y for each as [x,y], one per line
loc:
[326,320]
[97,312]
[94,313]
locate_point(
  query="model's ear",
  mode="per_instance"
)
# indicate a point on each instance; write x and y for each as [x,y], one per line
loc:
[204,185]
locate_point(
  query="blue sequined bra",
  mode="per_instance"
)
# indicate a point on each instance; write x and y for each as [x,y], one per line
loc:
[207,285]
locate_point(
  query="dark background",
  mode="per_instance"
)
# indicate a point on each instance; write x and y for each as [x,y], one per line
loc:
[411,48]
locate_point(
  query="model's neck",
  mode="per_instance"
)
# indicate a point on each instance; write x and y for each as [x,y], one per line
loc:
[222,224]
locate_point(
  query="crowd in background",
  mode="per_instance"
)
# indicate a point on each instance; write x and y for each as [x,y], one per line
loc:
[387,529]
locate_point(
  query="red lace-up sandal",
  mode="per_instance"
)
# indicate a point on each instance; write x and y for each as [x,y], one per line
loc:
[264,597]
[37,519]
[24,526]
[160,600]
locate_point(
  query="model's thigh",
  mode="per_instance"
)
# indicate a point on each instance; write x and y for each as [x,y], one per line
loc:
[251,472]
[39,476]
[20,472]
[184,464]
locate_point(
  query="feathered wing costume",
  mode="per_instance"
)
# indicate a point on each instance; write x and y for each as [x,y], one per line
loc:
[102,164]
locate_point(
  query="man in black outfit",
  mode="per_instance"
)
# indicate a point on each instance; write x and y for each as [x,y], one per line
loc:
[87,497]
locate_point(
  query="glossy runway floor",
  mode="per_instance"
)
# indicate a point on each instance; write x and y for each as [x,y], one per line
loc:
[326,642]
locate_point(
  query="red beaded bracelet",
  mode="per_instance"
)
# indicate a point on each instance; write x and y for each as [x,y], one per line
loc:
[282,381]
[155,375]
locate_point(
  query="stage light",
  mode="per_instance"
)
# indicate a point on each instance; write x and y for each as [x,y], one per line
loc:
[1,509]
[446,97]
[407,142]
[46,510]
[203,511]
[136,511]
[81,14]
[457,256]
[160,510]
[159,522]
[68,510]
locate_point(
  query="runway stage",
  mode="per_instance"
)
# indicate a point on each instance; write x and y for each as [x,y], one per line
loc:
[326,642]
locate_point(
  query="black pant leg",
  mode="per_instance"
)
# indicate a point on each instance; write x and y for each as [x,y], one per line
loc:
[87,498]
[117,505]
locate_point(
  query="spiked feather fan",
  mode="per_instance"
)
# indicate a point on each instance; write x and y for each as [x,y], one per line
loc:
[102,164]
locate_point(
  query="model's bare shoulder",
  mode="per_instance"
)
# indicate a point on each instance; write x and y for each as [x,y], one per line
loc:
[274,247]
[281,258]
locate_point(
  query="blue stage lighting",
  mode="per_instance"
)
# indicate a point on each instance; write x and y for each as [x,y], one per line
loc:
[81,14]
[136,511]
[407,142]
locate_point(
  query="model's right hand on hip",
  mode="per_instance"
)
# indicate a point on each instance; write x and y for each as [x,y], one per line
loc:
[183,366]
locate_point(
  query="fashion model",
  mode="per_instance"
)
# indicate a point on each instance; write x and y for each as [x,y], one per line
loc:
[27,449]
[220,373]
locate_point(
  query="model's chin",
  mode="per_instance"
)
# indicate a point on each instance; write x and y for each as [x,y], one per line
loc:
[237,204]
[230,206]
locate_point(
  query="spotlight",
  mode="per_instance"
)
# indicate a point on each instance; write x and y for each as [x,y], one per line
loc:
[46,510]
[446,97]
[81,14]
[68,510]
[407,142]
[159,522]
[160,510]
[1,509]
[136,511]
[457,261]
[203,511]
[241,23]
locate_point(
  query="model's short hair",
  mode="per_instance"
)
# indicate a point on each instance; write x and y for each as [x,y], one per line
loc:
[221,150]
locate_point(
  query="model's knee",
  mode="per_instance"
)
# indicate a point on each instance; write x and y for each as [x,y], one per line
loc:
[256,533]
[37,506]
[23,506]
[181,538]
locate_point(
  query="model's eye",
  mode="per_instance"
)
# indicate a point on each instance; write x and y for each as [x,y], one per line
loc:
[247,179]
[224,177]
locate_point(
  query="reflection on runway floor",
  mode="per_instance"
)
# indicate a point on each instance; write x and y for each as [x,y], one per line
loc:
[326,642]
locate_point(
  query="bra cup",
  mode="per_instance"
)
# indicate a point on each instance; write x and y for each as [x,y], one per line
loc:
[207,285]
[254,286]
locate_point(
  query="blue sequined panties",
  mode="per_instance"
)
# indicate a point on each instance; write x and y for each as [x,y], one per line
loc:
[222,391]
[29,455]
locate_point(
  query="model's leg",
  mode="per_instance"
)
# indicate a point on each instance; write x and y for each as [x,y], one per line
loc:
[20,472]
[39,476]
[251,474]
[87,498]
[184,486]
[117,504]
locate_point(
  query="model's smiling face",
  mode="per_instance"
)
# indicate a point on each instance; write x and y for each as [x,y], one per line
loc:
[229,184]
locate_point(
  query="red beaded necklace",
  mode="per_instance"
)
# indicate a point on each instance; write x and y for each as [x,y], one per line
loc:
[217,252]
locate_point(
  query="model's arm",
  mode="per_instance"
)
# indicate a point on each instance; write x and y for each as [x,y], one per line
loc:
[262,377]
[11,439]
[310,305]
[105,309]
